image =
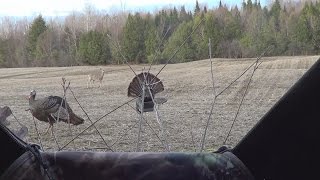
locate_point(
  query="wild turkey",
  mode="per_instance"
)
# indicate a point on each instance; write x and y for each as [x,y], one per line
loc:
[146,80]
[47,110]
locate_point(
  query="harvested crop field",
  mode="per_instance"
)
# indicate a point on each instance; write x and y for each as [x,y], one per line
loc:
[188,88]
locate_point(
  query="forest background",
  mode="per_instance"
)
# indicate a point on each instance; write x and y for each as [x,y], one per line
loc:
[94,37]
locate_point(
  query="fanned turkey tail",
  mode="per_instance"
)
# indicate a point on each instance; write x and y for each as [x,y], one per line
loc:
[135,87]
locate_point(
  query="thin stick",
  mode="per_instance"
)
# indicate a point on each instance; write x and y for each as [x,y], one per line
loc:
[179,48]
[96,122]
[125,133]
[163,131]
[134,125]
[17,120]
[213,103]
[158,49]
[227,87]
[157,115]
[155,133]
[117,46]
[207,125]
[54,137]
[90,120]
[63,99]
[20,124]
[141,117]
[192,138]
[257,64]
[39,138]
[65,105]
[211,69]
[241,102]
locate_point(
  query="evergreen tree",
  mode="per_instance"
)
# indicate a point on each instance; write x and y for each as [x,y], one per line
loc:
[94,48]
[152,40]
[133,42]
[275,9]
[205,10]
[3,52]
[37,27]
[307,30]
[294,29]
[186,52]
[199,38]
[173,18]
[249,5]
[275,14]
[197,8]
[183,15]
[244,5]
[256,31]
[46,49]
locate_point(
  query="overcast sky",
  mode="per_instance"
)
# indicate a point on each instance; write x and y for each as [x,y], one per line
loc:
[65,7]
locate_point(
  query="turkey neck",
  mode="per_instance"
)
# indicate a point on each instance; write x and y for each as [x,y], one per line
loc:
[32,99]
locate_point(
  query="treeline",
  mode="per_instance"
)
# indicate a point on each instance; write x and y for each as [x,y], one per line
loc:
[93,37]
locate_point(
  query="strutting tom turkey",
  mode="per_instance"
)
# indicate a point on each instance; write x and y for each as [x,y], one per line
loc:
[145,85]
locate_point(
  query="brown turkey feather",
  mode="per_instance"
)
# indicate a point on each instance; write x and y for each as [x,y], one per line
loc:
[52,108]
[135,87]
[74,119]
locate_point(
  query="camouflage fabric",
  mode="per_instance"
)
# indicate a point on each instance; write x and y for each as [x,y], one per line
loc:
[4,113]
[104,165]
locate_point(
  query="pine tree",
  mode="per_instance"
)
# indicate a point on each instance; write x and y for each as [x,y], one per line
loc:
[183,15]
[94,48]
[186,52]
[133,42]
[3,52]
[152,39]
[249,5]
[244,4]
[197,8]
[38,26]
[275,15]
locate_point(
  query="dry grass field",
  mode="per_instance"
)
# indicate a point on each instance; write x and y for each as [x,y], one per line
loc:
[188,88]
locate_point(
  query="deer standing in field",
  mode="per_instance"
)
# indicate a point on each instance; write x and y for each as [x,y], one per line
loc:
[95,76]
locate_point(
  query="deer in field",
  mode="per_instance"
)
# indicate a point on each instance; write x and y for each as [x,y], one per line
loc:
[95,76]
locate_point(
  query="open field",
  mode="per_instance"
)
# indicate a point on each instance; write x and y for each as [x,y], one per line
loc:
[188,88]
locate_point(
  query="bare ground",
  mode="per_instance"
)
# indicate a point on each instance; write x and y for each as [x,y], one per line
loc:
[188,88]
